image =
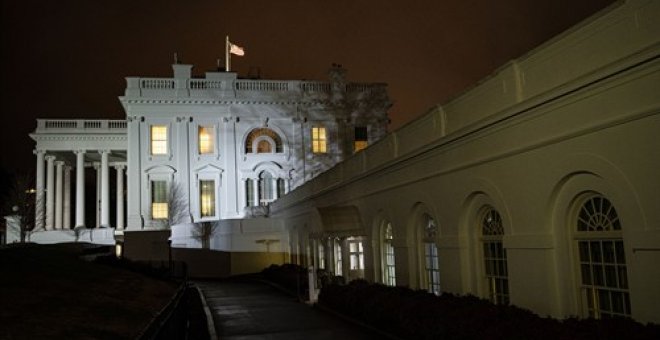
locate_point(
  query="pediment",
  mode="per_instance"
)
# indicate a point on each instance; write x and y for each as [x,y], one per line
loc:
[160,169]
[209,168]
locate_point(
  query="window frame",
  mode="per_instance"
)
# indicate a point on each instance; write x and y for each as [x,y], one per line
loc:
[356,256]
[339,263]
[494,261]
[213,139]
[152,202]
[214,200]
[259,134]
[319,143]
[388,257]
[430,260]
[588,294]
[166,141]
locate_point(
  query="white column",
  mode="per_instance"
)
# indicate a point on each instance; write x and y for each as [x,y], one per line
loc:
[120,197]
[255,190]
[66,215]
[59,166]
[39,197]
[80,188]
[274,185]
[97,167]
[105,190]
[245,193]
[133,175]
[50,194]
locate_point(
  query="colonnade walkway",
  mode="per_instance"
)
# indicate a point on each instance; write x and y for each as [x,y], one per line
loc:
[253,310]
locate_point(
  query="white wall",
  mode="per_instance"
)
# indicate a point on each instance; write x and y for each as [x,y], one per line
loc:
[579,114]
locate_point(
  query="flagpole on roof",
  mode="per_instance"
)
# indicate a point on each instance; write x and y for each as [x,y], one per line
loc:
[227,62]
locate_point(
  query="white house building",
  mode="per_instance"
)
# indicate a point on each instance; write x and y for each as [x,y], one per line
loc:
[537,187]
[216,147]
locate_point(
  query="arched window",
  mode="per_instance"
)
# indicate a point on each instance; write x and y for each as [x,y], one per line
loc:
[495,266]
[431,267]
[263,140]
[601,259]
[264,146]
[387,256]
[266,188]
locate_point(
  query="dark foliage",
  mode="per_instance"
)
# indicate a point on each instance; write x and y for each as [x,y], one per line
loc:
[290,276]
[415,314]
[158,270]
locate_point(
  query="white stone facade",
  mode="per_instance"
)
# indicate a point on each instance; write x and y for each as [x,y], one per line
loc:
[227,146]
[538,187]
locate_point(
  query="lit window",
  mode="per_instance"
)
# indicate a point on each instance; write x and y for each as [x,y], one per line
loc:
[361,139]
[207,198]
[389,277]
[318,140]
[321,250]
[263,145]
[356,255]
[159,209]
[158,139]
[602,260]
[495,265]
[206,140]
[338,261]
[431,267]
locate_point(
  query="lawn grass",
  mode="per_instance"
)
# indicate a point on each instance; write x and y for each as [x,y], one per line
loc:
[47,292]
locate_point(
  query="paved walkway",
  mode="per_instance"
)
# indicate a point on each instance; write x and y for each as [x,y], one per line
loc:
[252,310]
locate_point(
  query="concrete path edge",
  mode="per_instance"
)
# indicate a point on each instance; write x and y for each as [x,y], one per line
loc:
[209,317]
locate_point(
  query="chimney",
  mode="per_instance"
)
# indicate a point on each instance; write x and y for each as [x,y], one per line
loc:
[182,71]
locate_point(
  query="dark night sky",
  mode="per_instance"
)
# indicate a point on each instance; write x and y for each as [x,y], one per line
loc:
[68,58]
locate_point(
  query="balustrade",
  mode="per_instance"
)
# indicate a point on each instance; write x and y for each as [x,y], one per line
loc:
[164,86]
[60,125]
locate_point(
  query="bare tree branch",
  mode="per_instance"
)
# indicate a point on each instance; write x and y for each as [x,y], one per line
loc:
[204,232]
[23,202]
[177,206]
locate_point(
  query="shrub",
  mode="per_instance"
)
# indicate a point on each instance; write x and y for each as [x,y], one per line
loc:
[290,276]
[416,314]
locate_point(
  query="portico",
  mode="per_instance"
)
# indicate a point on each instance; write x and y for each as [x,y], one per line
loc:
[65,145]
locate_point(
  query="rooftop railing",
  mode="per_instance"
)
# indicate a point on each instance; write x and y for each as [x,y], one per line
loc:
[184,87]
[80,125]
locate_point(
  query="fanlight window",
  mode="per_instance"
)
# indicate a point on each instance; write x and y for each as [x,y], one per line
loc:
[602,260]
[598,214]
[260,140]
[495,264]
